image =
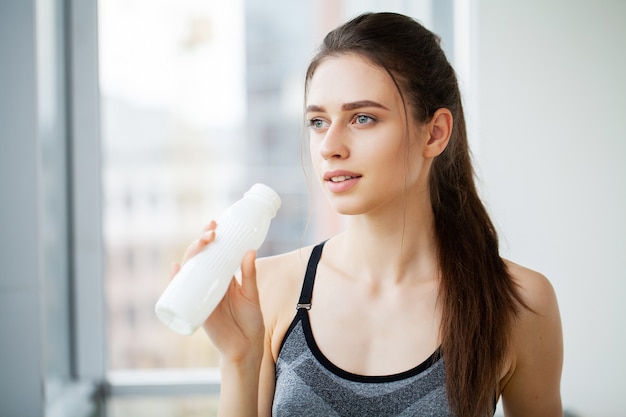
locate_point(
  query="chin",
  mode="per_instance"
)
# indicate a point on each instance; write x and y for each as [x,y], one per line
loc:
[346,208]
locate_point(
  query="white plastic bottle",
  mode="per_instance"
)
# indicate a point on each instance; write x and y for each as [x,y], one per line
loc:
[203,280]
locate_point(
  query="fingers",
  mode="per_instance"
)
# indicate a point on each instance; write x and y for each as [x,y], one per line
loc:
[210,226]
[208,233]
[207,236]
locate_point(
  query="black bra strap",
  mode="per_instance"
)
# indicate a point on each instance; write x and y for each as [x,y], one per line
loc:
[309,278]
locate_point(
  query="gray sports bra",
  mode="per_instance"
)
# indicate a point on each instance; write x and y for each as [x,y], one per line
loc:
[308,384]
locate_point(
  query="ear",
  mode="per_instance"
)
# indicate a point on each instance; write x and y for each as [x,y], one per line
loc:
[438,132]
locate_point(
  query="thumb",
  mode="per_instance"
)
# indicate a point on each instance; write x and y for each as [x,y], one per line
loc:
[248,276]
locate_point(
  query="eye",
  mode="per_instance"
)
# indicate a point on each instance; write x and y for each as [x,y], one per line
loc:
[317,123]
[363,119]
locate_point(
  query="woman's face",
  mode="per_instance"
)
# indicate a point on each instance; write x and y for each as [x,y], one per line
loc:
[365,154]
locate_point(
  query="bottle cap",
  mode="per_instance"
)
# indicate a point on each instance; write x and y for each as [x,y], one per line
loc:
[267,194]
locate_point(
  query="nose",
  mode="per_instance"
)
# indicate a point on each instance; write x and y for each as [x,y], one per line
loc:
[334,144]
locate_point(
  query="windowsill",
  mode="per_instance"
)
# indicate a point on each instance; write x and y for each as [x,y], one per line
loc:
[72,400]
[163,382]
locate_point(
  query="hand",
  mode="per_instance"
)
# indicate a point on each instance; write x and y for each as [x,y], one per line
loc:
[236,325]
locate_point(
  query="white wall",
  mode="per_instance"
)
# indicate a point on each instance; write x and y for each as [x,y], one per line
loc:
[551,156]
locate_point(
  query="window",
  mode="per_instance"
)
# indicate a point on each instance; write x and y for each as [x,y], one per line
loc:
[199,100]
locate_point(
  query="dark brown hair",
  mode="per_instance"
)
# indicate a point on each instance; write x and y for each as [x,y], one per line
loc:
[479,298]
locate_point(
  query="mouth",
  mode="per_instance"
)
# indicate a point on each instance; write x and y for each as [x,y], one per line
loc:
[341,181]
[342,178]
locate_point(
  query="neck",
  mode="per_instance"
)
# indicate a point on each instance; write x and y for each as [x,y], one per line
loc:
[392,247]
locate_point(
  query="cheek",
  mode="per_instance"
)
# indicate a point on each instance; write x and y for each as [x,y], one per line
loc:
[406,162]
[314,155]
[396,157]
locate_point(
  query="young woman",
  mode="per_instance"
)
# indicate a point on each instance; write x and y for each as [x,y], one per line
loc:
[410,311]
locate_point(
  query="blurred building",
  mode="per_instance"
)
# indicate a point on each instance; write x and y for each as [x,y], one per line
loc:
[166,173]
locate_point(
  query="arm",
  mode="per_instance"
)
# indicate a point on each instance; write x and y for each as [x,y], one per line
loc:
[533,388]
[248,325]
[267,383]
[248,387]
[239,388]
[236,328]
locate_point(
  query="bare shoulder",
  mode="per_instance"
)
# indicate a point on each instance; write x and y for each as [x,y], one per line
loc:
[535,288]
[540,321]
[283,262]
[279,279]
[279,272]
[532,386]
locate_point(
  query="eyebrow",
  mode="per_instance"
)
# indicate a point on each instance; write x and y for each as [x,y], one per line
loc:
[349,106]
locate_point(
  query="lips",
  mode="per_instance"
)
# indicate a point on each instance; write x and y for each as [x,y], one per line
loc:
[341,181]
